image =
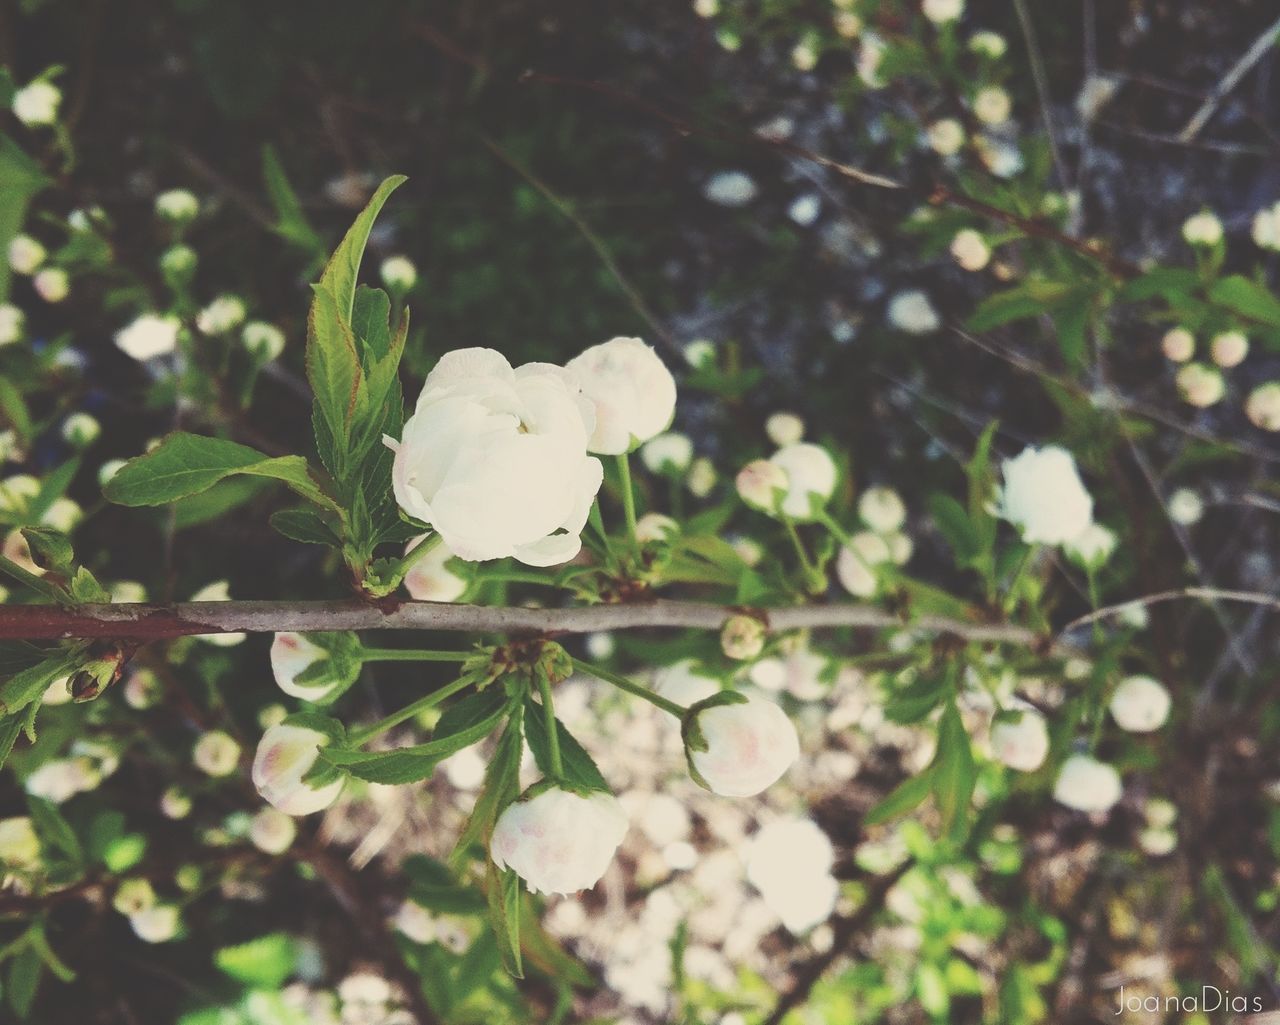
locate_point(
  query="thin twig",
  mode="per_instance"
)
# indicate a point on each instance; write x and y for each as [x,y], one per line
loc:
[1208,594]
[1232,78]
[1041,79]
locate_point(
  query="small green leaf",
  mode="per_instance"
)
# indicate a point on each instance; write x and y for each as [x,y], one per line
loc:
[265,961]
[905,796]
[579,768]
[29,685]
[954,773]
[307,525]
[54,830]
[1248,298]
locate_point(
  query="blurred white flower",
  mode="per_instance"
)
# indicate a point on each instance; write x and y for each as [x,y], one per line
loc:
[870,55]
[216,753]
[804,209]
[970,250]
[465,769]
[945,137]
[175,803]
[988,44]
[1095,94]
[912,312]
[430,578]
[558,841]
[742,637]
[701,352]
[148,336]
[789,861]
[702,477]
[857,562]
[218,590]
[1158,842]
[1086,784]
[811,477]
[798,673]
[262,340]
[991,105]
[654,527]
[483,434]
[1021,744]
[60,779]
[1202,229]
[1178,345]
[1262,407]
[730,188]
[1200,385]
[633,393]
[133,896]
[941,11]
[784,428]
[36,104]
[81,429]
[684,684]
[272,831]
[19,845]
[847,24]
[1266,227]
[157,924]
[1003,159]
[805,54]
[706,8]
[11,323]
[671,452]
[748,747]
[179,261]
[398,273]
[1140,704]
[25,254]
[286,754]
[224,314]
[881,508]
[762,484]
[177,205]
[1044,497]
[1185,506]
[1093,546]
[1229,348]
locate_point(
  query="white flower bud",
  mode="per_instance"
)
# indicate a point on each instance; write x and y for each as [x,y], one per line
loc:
[988,44]
[52,284]
[945,137]
[11,323]
[881,508]
[157,924]
[430,579]
[179,261]
[81,429]
[1093,546]
[1229,348]
[559,841]
[682,683]
[742,637]
[148,336]
[19,845]
[495,459]
[762,484]
[702,477]
[1200,385]
[286,753]
[272,831]
[992,105]
[789,862]
[1021,744]
[667,453]
[748,746]
[224,314]
[1140,704]
[1266,228]
[133,896]
[1185,507]
[912,312]
[857,562]
[1178,345]
[60,779]
[942,11]
[1086,784]
[1202,229]
[811,477]
[36,104]
[970,250]
[25,254]
[216,753]
[1044,497]
[730,188]
[784,429]
[706,8]
[398,273]
[654,527]
[292,654]
[263,341]
[633,393]
[1262,407]
[175,803]
[177,205]
[699,353]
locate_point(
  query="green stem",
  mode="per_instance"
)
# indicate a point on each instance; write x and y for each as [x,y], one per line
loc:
[553,733]
[515,577]
[628,498]
[622,683]
[597,524]
[1011,593]
[411,655]
[363,736]
[419,551]
[815,579]
[37,584]
[840,534]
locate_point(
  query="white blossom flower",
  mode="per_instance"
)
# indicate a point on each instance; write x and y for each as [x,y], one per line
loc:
[702,477]
[1201,385]
[945,137]
[1093,546]
[11,323]
[60,779]
[36,104]
[706,8]
[52,284]
[216,753]
[1185,506]
[847,24]
[81,429]
[784,428]
[287,753]
[1002,158]
[398,273]
[730,188]
[811,477]
[157,924]
[25,254]
[701,352]
[1266,227]
[224,314]
[272,831]
[430,578]
[970,250]
[748,747]
[495,459]
[804,209]
[682,683]
[912,312]
[465,769]
[857,562]
[141,688]
[789,861]
[1086,784]
[133,896]
[149,336]
[762,484]
[1044,497]
[1202,229]
[63,514]
[1229,348]
[633,393]
[942,11]
[559,841]
[175,803]
[177,205]
[600,645]
[19,845]
[992,105]
[870,56]
[1262,407]
[1140,704]
[1178,345]
[988,44]
[881,508]
[415,922]
[262,340]
[805,54]
[1158,842]
[654,527]
[671,452]
[108,470]
[1021,743]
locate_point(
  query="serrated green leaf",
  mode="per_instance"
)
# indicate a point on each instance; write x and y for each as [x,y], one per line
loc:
[306,525]
[579,767]
[905,796]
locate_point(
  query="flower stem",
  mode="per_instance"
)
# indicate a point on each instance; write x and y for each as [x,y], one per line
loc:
[597,523]
[419,551]
[363,736]
[515,577]
[628,498]
[840,534]
[411,655]
[815,579]
[622,683]
[553,732]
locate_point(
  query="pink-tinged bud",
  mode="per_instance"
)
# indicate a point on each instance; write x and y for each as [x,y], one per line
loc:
[739,749]
[559,841]
[762,485]
[291,656]
[285,755]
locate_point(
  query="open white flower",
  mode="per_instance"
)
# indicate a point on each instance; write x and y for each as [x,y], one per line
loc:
[1087,784]
[430,579]
[1262,407]
[148,336]
[1044,497]
[633,393]
[737,750]
[1140,704]
[495,459]
[37,103]
[286,753]
[762,484]
[970,249]
[558,841]
[1021,744]
[1202,229]
[25,254]
[811,478]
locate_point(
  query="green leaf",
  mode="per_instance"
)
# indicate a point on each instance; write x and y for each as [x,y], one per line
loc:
[21,180]
[29,685]
[307,525]
[23,979]
[579,768]
[1029,299]
[954,773]
[54,830]
[265,961]
[216,502]
[503,890]
[1247,298]
[501,785]
[953,521]
[187,464]
[291,222]
[905,796]
[50,549]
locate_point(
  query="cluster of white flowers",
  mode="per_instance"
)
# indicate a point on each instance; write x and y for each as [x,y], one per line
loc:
[794,483]
[1044,497]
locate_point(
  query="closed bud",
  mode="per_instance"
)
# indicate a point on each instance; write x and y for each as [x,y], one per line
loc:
[1140,704]
[398,273]
[762,484]
[282,765]
[737,748]
[1086,784]
[633,393]
[1020,742]
[742,637]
